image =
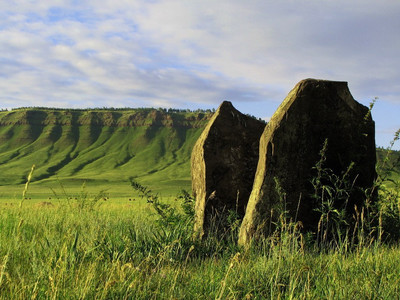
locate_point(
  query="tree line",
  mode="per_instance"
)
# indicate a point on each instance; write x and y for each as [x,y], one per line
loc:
[166,110]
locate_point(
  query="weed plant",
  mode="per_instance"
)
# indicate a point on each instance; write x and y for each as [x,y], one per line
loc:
[331,194]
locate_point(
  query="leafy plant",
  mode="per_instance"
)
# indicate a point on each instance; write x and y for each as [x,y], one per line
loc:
[174,231]
[331,193]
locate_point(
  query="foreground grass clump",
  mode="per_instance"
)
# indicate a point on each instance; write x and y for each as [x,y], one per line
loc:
[59,252]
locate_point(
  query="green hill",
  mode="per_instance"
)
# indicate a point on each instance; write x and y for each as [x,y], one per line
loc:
[104,147]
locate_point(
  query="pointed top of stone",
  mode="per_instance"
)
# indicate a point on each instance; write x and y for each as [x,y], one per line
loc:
[226,104]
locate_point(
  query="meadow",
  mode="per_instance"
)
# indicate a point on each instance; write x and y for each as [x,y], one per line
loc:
[128,251]
[87,245]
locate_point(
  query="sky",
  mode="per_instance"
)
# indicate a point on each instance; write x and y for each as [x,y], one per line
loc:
[197,53]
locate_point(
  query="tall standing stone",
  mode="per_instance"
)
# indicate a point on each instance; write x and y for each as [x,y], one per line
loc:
[290,147]
[223,164]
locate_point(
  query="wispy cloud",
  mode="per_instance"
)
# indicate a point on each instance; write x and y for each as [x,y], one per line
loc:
[194,53]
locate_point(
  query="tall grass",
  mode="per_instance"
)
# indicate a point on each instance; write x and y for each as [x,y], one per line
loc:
[57,253]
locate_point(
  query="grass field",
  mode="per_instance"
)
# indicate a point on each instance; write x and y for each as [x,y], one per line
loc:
[85,247]
[60,190]
[117,250]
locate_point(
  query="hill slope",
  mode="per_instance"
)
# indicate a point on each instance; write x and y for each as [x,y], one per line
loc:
[98,145]
[103,147]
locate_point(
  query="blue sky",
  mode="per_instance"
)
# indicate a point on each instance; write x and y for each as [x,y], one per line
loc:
[197,53]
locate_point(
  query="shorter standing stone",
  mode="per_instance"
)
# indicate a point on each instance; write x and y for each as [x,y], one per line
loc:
[315,110]
[223,164]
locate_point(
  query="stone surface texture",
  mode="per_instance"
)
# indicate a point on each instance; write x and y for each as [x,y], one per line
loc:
[290,147]
[223,164]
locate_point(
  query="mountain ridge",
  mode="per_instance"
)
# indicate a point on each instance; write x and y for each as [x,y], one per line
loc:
[98,144]
[103,117]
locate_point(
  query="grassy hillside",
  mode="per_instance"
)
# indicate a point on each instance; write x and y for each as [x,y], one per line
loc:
[102,147]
